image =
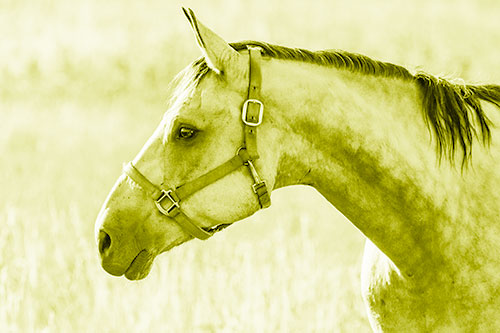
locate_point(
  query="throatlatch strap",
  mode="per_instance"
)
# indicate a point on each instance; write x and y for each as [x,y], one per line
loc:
[253,109]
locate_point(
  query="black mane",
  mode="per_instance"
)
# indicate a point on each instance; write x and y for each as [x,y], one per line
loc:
[452,111]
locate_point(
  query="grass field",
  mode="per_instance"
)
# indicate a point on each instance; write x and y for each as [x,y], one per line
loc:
[82,86]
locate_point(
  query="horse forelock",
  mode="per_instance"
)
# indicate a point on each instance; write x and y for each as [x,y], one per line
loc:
[184,83]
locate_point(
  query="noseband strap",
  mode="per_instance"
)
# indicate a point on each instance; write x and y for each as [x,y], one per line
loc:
[168,201]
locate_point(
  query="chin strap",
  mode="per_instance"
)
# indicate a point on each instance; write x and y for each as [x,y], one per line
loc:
[168,201]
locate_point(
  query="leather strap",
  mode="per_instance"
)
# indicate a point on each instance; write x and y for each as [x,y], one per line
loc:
[188,225]
[254,109]
[253,114]
[262,193]
[175,196]
[167,201]
[210,177]
[151,189]
[158,195]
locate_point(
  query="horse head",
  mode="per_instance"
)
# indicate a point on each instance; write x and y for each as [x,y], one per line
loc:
[198,171]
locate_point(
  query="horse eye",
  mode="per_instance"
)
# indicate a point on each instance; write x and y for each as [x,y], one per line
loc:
[186,133]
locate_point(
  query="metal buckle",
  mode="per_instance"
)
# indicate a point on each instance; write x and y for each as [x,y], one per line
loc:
[253,171]
[258,186]
[166,194]
[245,109]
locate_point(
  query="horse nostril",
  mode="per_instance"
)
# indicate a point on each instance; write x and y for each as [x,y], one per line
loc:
[104,242]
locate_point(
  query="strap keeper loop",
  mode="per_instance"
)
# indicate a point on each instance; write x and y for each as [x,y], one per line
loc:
[257,186]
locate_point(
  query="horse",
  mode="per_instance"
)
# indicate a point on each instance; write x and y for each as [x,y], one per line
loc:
[412,160]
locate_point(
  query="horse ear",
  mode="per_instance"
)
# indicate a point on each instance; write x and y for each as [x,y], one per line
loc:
[217,52]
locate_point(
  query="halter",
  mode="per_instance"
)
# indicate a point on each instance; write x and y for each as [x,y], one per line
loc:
[168,200]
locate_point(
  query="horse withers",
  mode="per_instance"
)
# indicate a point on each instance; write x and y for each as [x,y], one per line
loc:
[250,117]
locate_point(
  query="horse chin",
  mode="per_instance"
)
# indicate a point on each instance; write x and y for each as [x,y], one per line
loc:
[141,266]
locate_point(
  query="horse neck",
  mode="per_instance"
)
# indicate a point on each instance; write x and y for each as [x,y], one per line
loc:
[362,143]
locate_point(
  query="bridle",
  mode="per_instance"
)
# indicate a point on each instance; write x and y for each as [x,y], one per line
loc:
[251,116]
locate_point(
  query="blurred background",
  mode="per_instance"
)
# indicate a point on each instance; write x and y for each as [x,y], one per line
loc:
[83,85]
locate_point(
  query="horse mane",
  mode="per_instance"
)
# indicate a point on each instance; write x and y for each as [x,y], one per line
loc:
[451,110]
